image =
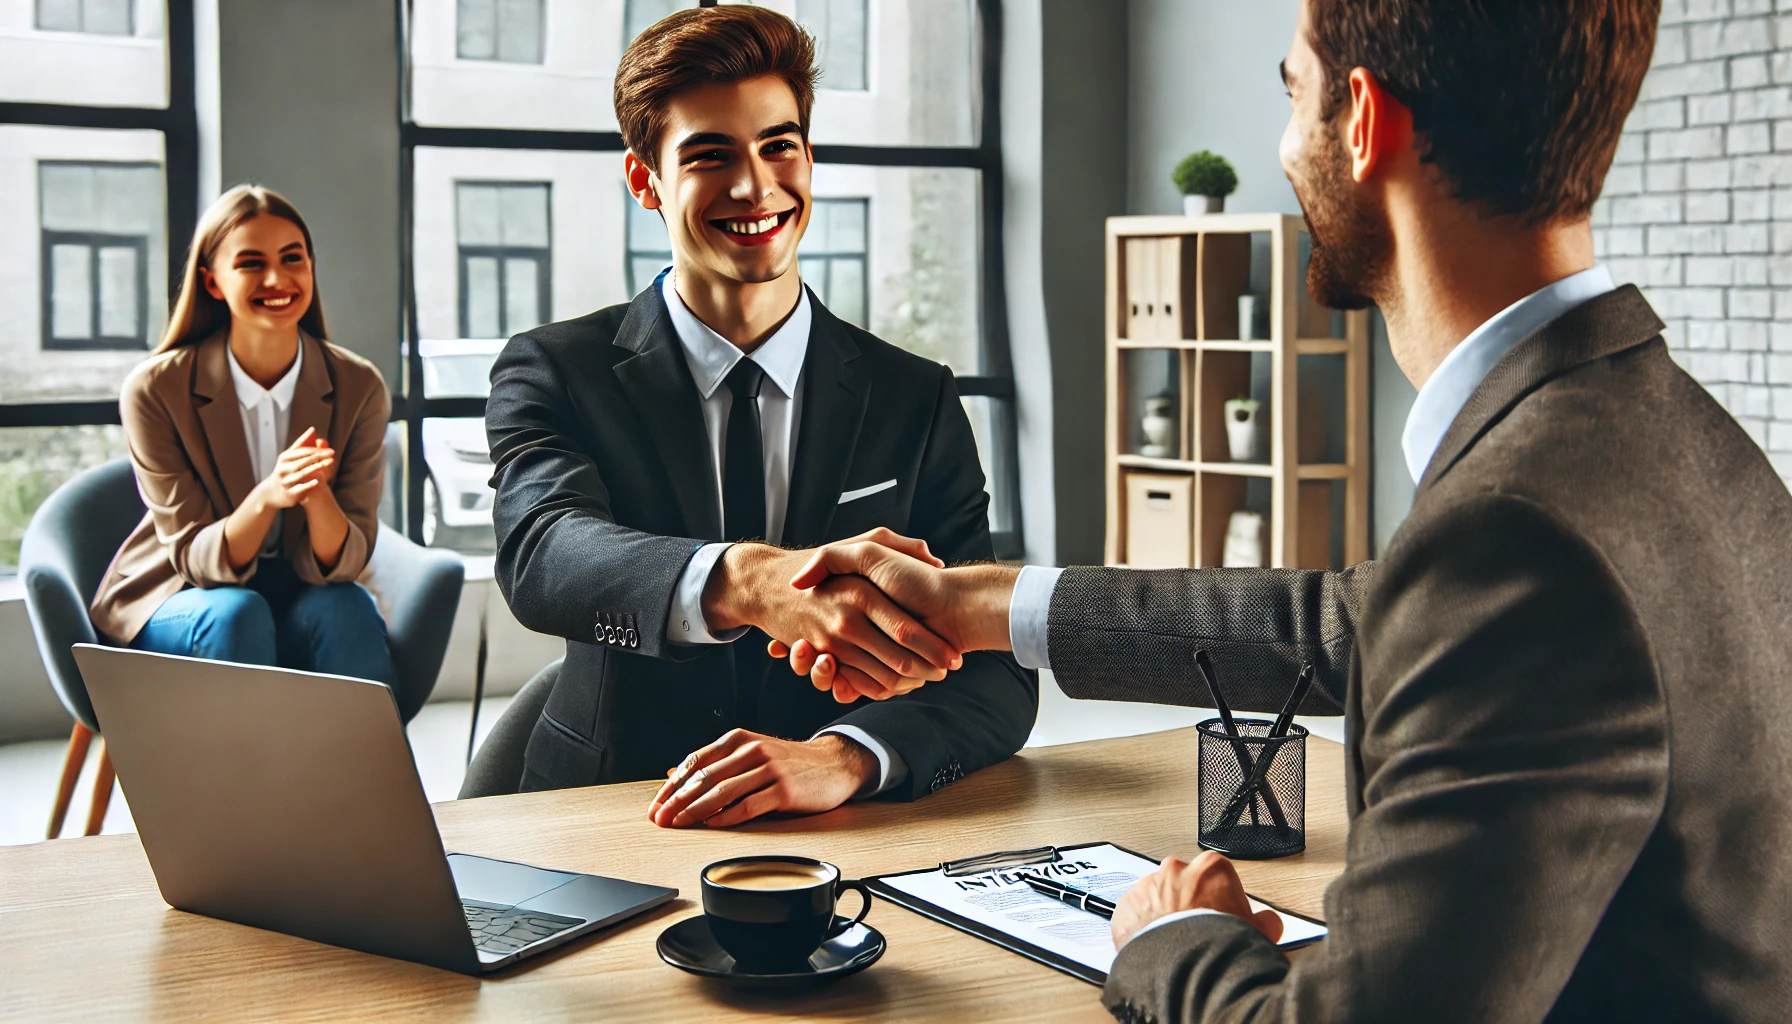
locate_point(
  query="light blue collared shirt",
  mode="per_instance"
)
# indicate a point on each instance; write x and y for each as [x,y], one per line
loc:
[1467,365]
[710,357]
[1438,404]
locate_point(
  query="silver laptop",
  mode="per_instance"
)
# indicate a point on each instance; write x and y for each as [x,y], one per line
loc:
[289,801]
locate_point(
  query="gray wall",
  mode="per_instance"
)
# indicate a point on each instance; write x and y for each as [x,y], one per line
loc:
[1084,144]
[308,105]
[1203,75]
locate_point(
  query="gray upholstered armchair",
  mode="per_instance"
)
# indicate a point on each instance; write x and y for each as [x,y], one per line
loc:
[71,541]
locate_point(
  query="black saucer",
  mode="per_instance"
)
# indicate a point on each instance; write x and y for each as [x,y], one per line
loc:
[689,946]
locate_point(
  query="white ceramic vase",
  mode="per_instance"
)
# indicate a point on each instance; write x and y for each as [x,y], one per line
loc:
[1197,206]
[1156,425]
[1244,541]
[1243,428]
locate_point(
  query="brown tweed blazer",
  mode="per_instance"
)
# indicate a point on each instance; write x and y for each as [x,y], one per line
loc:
[193,469]
[1568,707]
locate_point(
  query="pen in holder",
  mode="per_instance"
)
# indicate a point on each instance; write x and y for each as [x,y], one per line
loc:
[1253,789]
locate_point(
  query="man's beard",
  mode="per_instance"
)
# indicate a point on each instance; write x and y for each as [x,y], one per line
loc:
[1352,246]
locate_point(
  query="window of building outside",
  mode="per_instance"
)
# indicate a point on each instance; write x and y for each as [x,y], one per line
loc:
[97,221]
[501,30]
[95,17]
[832,261]
[505,257]
[897,240]
[97,170]
[639,15]
[839,30]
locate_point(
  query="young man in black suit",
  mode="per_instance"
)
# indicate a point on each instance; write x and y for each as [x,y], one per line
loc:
[647,452]
[1569,724]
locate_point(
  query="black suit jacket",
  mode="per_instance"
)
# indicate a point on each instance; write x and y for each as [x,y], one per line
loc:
[1567,701]
[606,488]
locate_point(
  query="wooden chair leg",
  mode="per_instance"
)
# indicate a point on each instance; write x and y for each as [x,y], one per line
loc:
[71,771]
[102,791]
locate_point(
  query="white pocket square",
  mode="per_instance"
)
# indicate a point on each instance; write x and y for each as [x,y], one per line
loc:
[866,492]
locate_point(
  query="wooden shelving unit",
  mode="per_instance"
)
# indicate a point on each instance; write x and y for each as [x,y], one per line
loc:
[1173,285]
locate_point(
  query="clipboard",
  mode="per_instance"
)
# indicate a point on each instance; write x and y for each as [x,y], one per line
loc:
[881,886]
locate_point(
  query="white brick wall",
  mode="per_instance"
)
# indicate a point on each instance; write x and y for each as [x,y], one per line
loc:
[1698,206]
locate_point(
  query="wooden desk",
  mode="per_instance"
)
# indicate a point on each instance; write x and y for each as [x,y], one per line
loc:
[85,935]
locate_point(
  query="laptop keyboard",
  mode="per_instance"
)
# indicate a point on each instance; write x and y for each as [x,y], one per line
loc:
[504,930]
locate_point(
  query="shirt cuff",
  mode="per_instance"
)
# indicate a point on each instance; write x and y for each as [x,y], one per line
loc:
[686,624]
[1028,611]
[1177,916]
[892,770]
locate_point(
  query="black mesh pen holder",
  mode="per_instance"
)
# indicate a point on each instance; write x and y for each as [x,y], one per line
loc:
[1253,802]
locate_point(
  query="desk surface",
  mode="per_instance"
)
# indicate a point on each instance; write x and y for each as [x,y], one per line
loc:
[85,935]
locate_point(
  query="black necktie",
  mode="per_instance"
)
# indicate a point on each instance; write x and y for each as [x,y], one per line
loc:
[743,462]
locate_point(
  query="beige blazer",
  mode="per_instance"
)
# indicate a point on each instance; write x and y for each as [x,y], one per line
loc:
[186,439]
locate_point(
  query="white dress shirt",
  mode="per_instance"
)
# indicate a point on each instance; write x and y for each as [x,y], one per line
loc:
[1439,402]
[267,420]
[710,358]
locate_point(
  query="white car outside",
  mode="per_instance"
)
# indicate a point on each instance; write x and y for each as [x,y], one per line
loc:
[458,492]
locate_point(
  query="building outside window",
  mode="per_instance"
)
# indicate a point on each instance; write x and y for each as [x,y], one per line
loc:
[94,17]
[505,257]
[98,168]
[500,30]
[839,30]
[906,195]
[97,223]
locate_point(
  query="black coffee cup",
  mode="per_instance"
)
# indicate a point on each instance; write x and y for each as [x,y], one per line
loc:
[772,912]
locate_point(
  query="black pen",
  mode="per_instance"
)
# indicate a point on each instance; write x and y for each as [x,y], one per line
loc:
[1078,898]
[1254,782]
[1204,665]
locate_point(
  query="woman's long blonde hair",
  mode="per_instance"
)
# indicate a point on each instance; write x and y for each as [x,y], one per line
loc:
[196,314]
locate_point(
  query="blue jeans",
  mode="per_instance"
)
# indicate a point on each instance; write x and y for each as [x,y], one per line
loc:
[277,619]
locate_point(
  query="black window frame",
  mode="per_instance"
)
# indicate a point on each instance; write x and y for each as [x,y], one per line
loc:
[178,123]
[985,156]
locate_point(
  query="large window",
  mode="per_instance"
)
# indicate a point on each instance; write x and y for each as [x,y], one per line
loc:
[505,255]
[904,238]
[98,195]
[505,30]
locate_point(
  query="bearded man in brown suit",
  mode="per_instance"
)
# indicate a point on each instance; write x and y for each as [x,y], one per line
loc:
[1565,682]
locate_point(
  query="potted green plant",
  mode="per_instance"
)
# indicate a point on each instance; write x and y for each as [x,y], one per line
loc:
[1205,180]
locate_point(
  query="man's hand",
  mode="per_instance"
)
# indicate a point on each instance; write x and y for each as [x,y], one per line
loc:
[1209,882]
[744,775]
[875,648]
[966,606]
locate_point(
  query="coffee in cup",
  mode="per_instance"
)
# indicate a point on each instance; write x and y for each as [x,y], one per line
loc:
[772,912]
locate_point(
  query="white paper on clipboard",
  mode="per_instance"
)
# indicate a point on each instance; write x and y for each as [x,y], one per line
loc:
[1000,901]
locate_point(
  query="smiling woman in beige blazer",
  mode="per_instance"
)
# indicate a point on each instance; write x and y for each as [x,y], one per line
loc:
[258,451]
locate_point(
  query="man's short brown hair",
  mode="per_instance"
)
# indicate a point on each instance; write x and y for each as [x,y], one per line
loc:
[1519,104]
[703,45]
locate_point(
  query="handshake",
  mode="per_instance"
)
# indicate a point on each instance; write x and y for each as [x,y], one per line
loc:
[874,616]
